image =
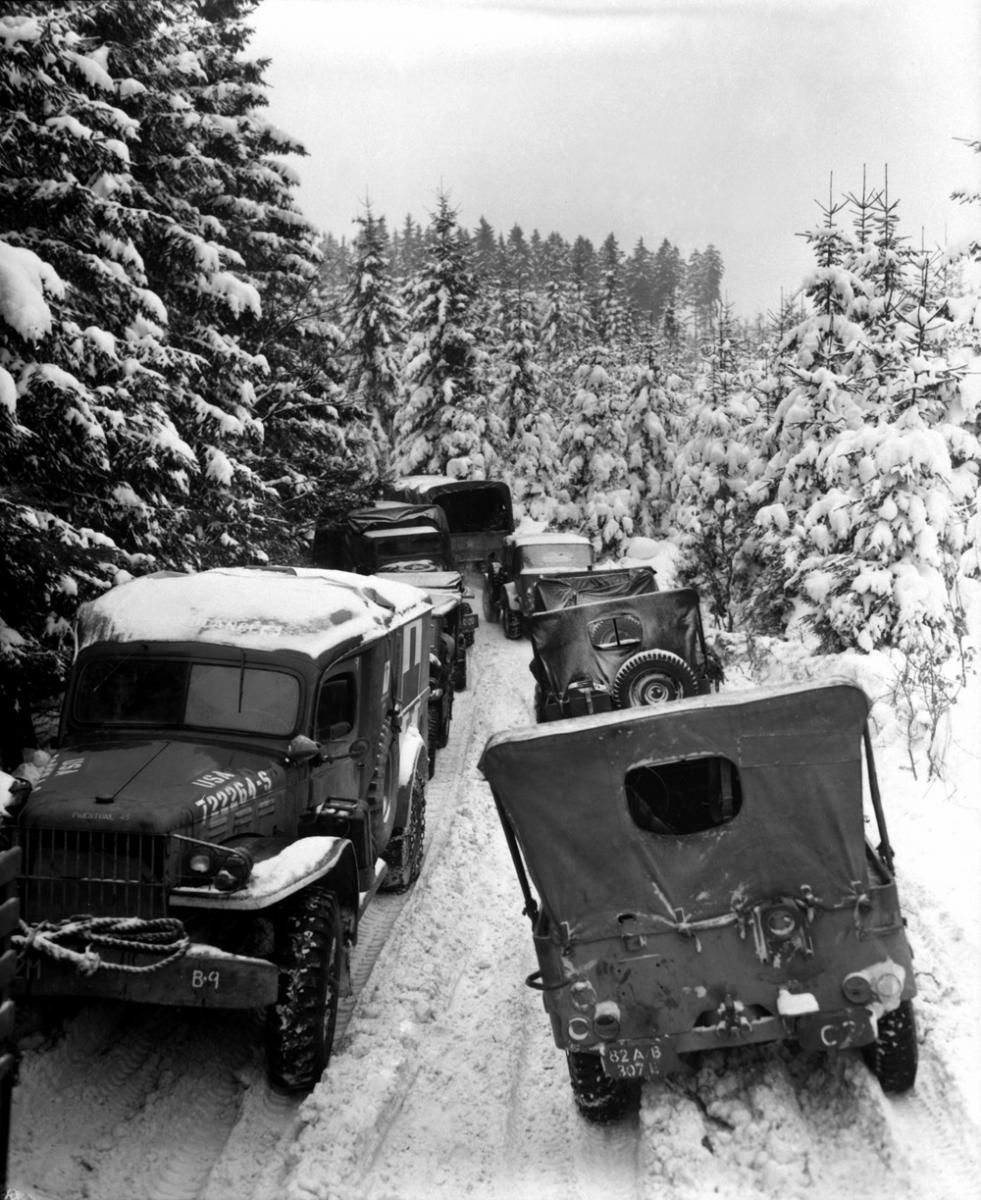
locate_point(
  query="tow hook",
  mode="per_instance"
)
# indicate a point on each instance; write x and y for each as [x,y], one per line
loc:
[732,1019]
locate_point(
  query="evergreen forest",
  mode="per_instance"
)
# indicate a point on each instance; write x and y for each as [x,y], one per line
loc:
[192,375]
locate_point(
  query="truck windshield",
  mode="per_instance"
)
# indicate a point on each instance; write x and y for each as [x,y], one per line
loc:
[154,692]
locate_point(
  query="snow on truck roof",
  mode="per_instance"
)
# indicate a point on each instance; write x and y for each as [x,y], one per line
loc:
[548,539]
[254,608]
[425,483]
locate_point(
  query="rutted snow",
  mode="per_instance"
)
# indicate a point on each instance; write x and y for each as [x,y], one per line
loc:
[446,1083]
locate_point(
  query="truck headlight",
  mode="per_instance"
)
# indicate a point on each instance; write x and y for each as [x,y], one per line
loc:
[225,868]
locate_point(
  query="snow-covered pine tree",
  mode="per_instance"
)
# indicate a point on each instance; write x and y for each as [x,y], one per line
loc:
[873,504]
[89,452]
[652,431]
[518,414]
[613,321]
[146,213]
[593,486]
[718,463]
[374,323]
[441,422]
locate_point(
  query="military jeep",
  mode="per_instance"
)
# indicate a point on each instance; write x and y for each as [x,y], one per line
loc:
[241,765]
[626,650]
[698,877]
[525,559]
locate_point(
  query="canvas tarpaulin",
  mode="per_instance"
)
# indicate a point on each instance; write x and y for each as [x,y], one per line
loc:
[567,591]
[561,789]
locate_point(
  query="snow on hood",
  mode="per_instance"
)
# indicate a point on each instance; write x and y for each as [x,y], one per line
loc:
[293,608]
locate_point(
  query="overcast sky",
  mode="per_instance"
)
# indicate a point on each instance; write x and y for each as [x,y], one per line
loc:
[702,121]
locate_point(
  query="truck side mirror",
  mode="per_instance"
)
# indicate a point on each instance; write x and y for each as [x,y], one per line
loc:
[302,749]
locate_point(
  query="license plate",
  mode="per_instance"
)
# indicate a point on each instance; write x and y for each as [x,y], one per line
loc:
[470,621]
[634,1062]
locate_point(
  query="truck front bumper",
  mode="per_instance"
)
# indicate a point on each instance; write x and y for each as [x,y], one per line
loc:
[204,977]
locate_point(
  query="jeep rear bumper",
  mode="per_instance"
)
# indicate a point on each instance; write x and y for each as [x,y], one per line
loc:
[653,1058]
[204,977]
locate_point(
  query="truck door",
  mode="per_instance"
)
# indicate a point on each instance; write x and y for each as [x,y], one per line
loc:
[337,727]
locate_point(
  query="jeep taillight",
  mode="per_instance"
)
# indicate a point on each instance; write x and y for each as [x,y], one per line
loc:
[600,1018]
[882,982]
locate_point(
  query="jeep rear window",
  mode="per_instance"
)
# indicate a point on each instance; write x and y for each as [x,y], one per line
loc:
[678,798]
[166,692]
[618,631]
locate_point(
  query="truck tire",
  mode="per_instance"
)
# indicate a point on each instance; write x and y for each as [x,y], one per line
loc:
[381,792]
[404,854]
[653,677]
[433,717]
[300,1025]
[512,623]
[893,1056]
[460,673]
[445,718]
[489,607]
[599,1098]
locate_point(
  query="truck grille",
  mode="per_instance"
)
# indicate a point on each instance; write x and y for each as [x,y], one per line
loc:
[69,872]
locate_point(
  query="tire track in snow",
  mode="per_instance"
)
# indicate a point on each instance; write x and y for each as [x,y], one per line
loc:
[262,1159]
[92,1081]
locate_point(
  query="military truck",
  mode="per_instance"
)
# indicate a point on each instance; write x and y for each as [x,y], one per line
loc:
[241,765]
[386,536]
[454,623]
[479,512]
[698,877]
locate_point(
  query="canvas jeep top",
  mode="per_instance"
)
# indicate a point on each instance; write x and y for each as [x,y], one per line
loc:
[626,650]
[241,764]
[698,876]
[603,583]
[478,511]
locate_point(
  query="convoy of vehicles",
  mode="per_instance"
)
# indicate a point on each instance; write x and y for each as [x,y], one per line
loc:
[697,876]
[241,765]
[242,762]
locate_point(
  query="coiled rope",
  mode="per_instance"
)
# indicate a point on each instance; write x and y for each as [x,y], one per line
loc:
[165,936]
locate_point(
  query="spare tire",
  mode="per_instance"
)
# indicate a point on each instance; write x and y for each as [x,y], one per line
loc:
[653,677]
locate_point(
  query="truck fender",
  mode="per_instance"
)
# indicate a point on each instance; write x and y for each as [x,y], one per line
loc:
[511,592]
[411,751]
[305,861]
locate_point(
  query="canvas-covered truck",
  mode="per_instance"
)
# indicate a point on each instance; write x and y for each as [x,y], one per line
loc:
[479,512]
[630,649]
[698,876]
[386,536]
[241,764]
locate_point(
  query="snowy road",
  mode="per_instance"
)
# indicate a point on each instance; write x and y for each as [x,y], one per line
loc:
[445,1082]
